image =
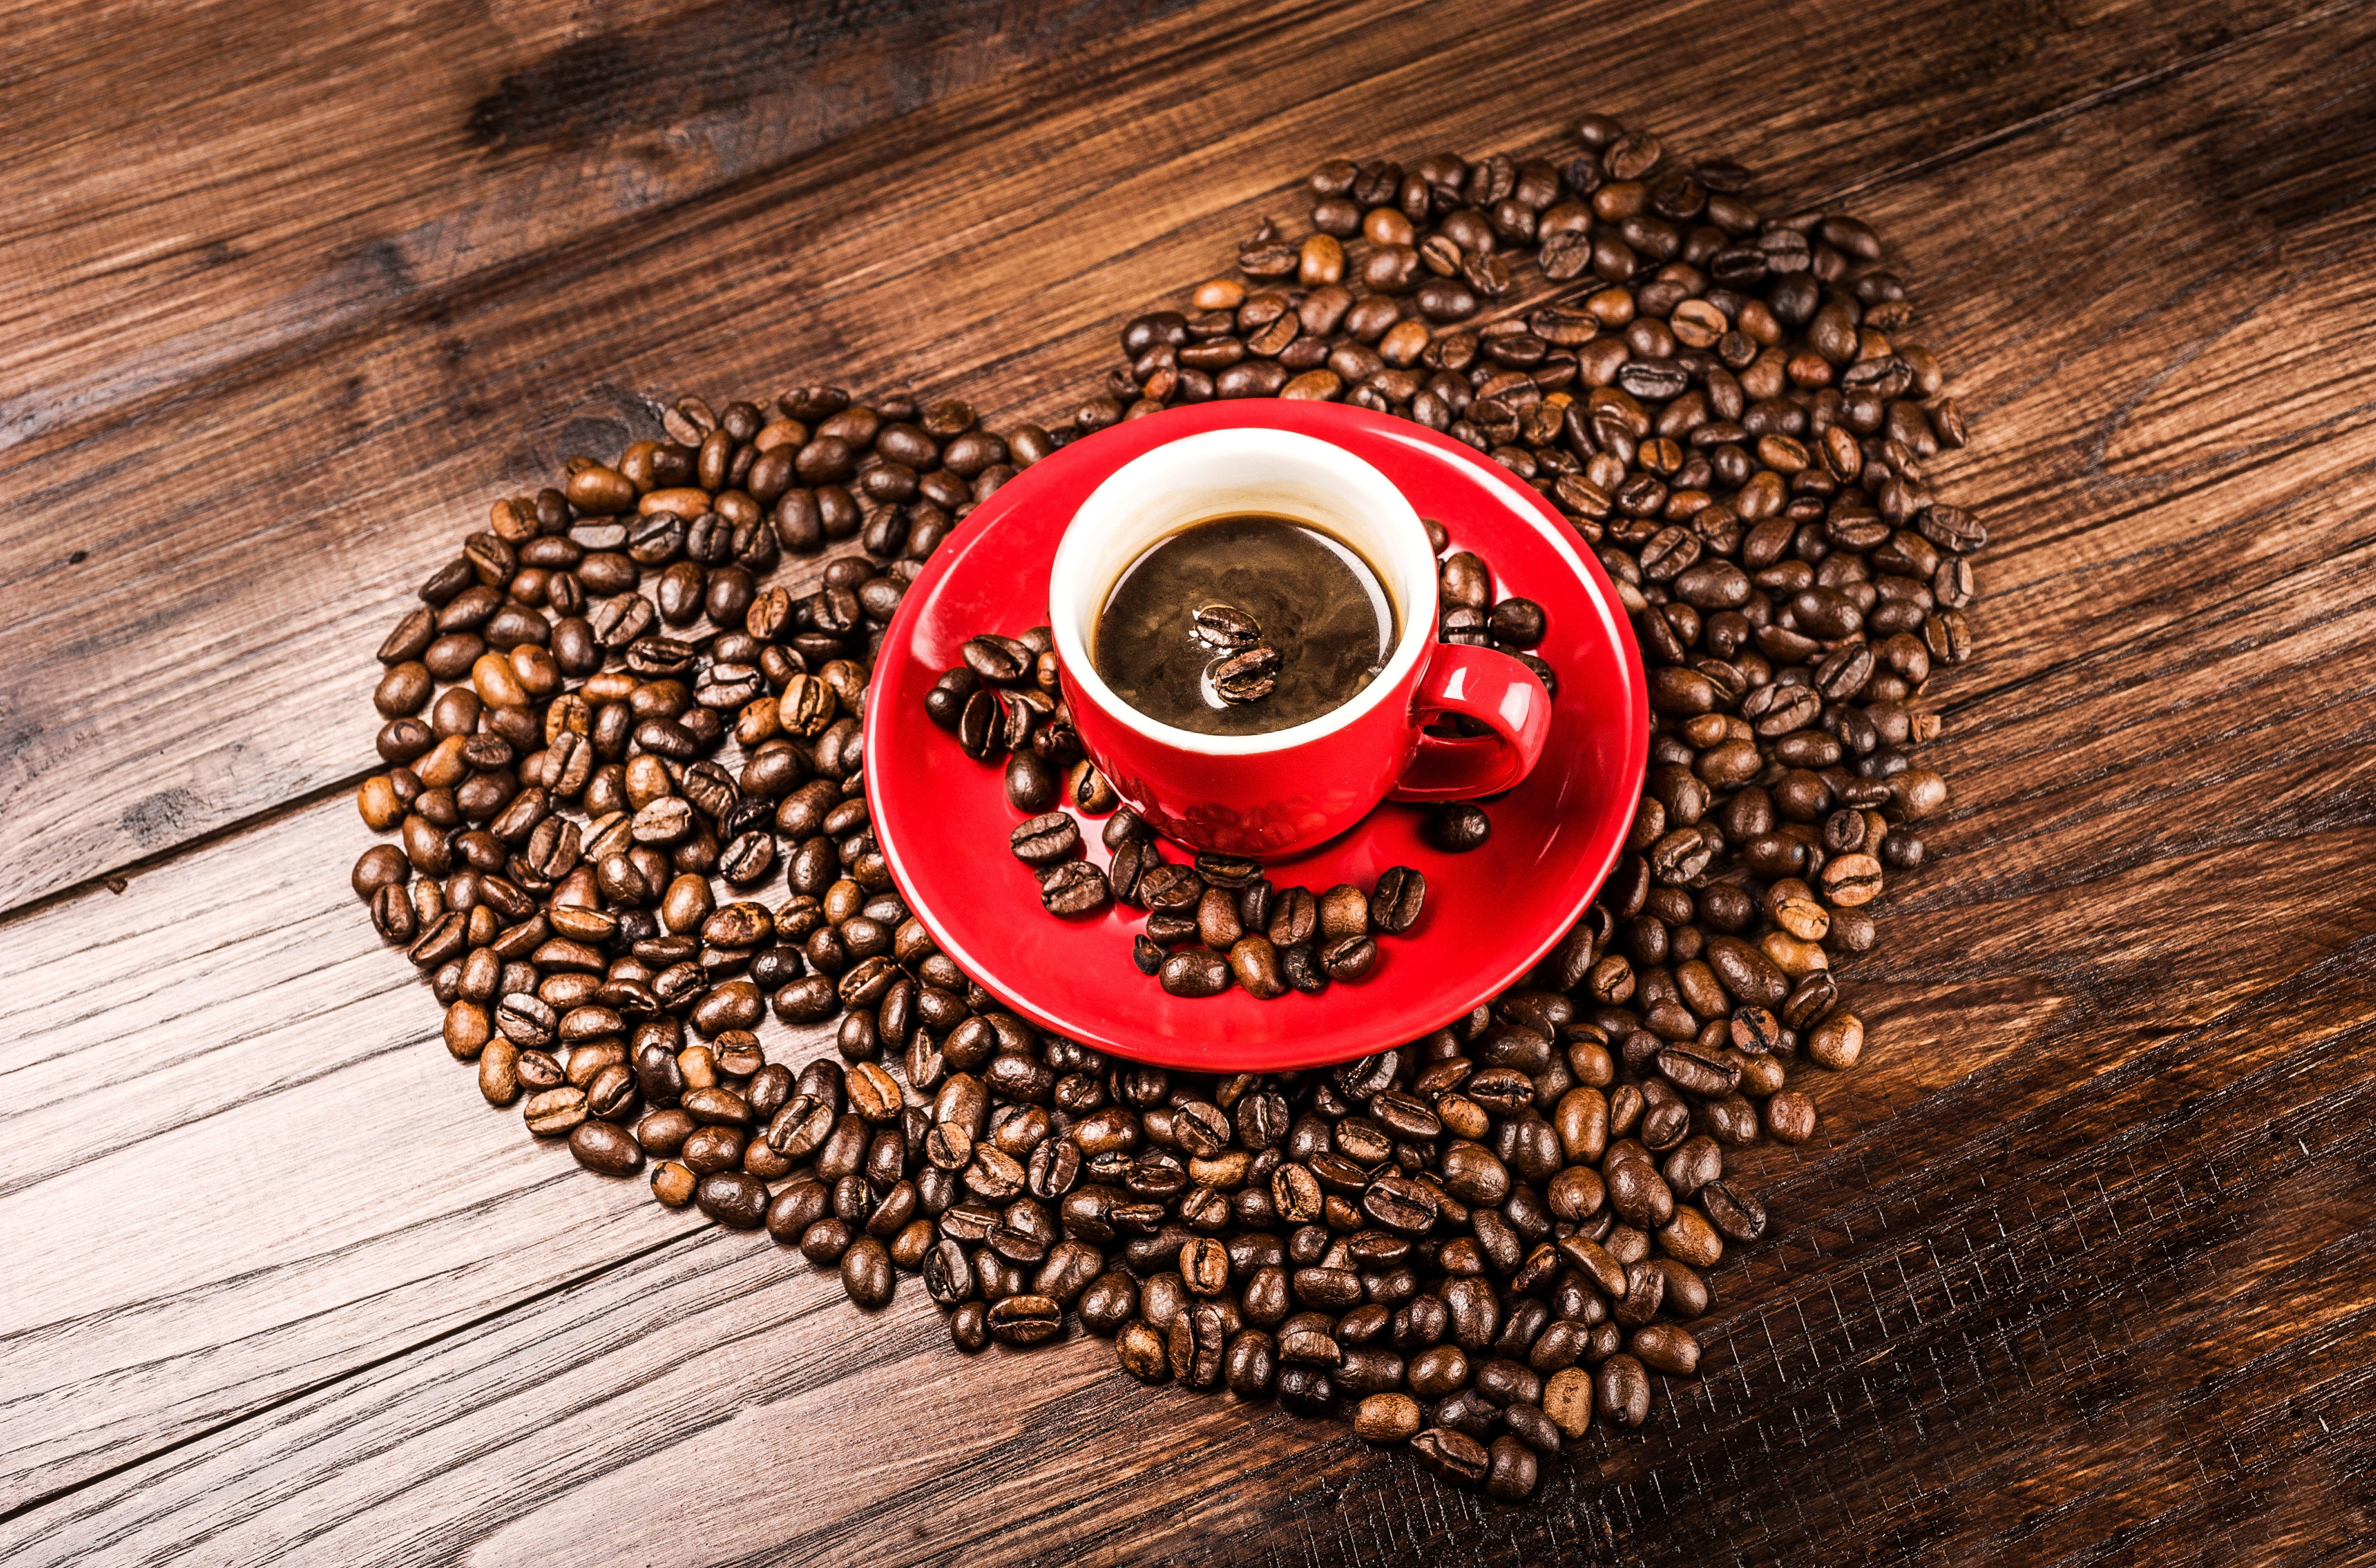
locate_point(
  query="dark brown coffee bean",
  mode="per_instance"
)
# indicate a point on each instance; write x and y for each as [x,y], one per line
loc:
[1072,889]
[1046,839]
[1453,1455]
[733,1199]
[866,1273]
[1456,828]
[1246,676]
[1227,628]
[1196,971]
[1401,893]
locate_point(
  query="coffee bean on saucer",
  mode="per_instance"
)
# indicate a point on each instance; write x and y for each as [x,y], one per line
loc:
[1073,888]
[1300,967]
[1516,623]
[1463,625]
[1246,677]
[981,726]
[1217,925]
[1001,661]
[1031,785]
[1227,628]
[1126,824]
[1196,971]
[1145,955]
[1464,580]
[1295,916]
[1456,827]
[1130,861]
[1255,963]
[1045,840]
[1169,928]
[1344,910]
[1169,888]
[1395,906]
[946,700]
[1349,957]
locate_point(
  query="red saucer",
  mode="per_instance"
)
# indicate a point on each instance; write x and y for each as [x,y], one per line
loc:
[943,819]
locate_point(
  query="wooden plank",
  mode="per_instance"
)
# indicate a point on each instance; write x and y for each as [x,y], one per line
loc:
[1957,1328]
[2057,1279]
[460,139]
[245,539]
[2067,948]
[308,1305]
[225,1102]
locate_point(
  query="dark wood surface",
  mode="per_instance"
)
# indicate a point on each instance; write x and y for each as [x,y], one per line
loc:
[2077,1269]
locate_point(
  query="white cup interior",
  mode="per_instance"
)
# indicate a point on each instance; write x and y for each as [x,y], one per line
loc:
[1217,474]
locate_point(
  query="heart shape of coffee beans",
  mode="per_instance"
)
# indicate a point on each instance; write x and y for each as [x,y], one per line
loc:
[1479,1243]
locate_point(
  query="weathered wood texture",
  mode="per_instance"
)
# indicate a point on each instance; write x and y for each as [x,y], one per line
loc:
[2076,1272]
[252,521]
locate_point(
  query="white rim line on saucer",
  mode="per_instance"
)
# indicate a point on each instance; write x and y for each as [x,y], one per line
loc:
[1217,474]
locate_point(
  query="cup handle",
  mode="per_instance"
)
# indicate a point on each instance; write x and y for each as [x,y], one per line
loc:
[1497,691]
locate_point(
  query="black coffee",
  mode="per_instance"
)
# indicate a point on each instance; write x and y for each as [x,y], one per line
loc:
[1242,625]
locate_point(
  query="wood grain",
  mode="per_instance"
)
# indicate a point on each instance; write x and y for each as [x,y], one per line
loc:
[461,140]
[2071,1274]
[248,532]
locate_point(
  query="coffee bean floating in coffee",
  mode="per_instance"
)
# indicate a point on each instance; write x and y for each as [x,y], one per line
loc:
[1481,1245]
[1241,625]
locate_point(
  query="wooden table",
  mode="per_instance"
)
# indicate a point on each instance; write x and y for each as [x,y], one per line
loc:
[2078,1269]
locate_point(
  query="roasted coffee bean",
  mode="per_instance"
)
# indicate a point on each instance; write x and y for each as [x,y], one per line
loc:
[1453,1455]
[1227,628]
[1395,906]
[867,1277]
[1455,829]
[1046,839]
[733,1199]
[1026,1319]
[1196,971]
[1246,676]
[1072,889]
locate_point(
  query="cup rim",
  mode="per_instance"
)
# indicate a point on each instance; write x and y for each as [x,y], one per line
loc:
[1359,478]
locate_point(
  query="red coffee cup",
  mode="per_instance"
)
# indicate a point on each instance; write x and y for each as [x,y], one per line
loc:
[1272,795]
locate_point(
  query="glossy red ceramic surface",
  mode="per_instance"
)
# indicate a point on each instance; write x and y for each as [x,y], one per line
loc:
[943,819]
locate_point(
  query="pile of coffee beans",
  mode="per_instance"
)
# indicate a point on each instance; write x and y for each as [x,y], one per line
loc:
[625,781]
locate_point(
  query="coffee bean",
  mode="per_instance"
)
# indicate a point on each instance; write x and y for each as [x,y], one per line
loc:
[1246,676]
[1045,840]
[1072,889]
[1453,1455]
[1227,628]
[1196,971]
[605,1148]
[1144,1351]
[1395,906]
[1348,958]
[866,1273]
[1025,1320]
[1387,1419]
[733,1199]
[1456,828]
[1032,786]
